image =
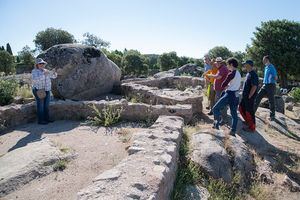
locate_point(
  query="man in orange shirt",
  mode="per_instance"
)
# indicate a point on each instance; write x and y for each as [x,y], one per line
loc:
[210,88]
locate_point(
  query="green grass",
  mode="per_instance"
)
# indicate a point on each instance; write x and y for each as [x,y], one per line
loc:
[60,165]
[260,192]
[64,149]
[108,116]
[24,92]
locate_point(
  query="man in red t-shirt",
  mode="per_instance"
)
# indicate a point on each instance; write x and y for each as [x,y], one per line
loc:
[219,78]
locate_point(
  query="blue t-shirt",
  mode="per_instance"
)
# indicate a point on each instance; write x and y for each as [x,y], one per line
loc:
[270,74]
[207,67]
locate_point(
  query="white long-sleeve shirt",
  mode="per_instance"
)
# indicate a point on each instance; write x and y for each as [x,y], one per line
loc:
[42,81]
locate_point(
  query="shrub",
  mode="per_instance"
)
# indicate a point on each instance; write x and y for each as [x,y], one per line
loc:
[295,93]
[60,165]
[24,92]
[8,89]
[106,117]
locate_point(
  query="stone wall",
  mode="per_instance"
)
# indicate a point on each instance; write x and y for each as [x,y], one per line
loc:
[166,91]
[13,115]
[148,172]
[169,82]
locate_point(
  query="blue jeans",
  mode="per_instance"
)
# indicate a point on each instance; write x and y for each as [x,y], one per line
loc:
[42,106]
[229,98]
[219,94]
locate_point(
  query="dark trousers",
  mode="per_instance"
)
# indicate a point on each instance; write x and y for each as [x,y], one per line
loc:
[267,90]
[42,106]
[247,111]
[229,98]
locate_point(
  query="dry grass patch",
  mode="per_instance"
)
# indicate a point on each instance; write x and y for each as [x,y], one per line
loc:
[125,134]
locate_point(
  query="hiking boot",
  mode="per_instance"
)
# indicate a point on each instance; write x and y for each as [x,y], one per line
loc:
[216,126]
[210,113]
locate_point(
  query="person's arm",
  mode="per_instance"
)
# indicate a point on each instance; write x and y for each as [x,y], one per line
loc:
[254,84]
[51,74]
[229,77]
[252,91]
[215,76]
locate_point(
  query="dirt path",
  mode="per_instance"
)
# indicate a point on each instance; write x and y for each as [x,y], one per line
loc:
[96,151]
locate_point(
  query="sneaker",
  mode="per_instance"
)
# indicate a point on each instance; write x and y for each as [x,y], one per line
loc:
[215,126]
[232,133]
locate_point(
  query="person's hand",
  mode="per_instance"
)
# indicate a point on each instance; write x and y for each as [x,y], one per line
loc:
[46,72]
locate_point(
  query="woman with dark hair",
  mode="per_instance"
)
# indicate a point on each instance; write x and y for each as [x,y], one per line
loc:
[41,87]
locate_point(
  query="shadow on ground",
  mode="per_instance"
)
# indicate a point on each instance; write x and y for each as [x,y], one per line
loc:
[36,131]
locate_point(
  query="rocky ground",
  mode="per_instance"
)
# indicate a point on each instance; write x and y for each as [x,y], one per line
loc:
[94,150]
[260,165]
[130,162]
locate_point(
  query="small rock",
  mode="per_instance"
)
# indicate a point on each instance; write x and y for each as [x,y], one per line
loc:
[111,174]
[133,150]
[194,192]
[288,99]
[292,185]
[289,106]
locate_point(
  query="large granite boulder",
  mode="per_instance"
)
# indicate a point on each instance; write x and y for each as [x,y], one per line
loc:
[84,72]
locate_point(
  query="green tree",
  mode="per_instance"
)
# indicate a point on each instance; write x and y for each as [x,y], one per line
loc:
[51,36]
[220,51]
[183,60]
[26,56]
[2,48]
[116,57]
[8,49]
[152,61]
[95,41]
[168,61]
[6,62]
[281,40]
[133,63]
[18,60]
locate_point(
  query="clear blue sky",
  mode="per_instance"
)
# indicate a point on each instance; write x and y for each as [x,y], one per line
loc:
[189,27]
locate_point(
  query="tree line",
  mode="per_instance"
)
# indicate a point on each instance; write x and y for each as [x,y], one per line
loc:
[280,39]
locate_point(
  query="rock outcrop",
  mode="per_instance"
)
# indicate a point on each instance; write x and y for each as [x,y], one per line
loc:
[22,165]
[84,72]
[222,157]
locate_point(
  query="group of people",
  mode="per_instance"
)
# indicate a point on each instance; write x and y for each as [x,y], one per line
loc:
[223,83]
